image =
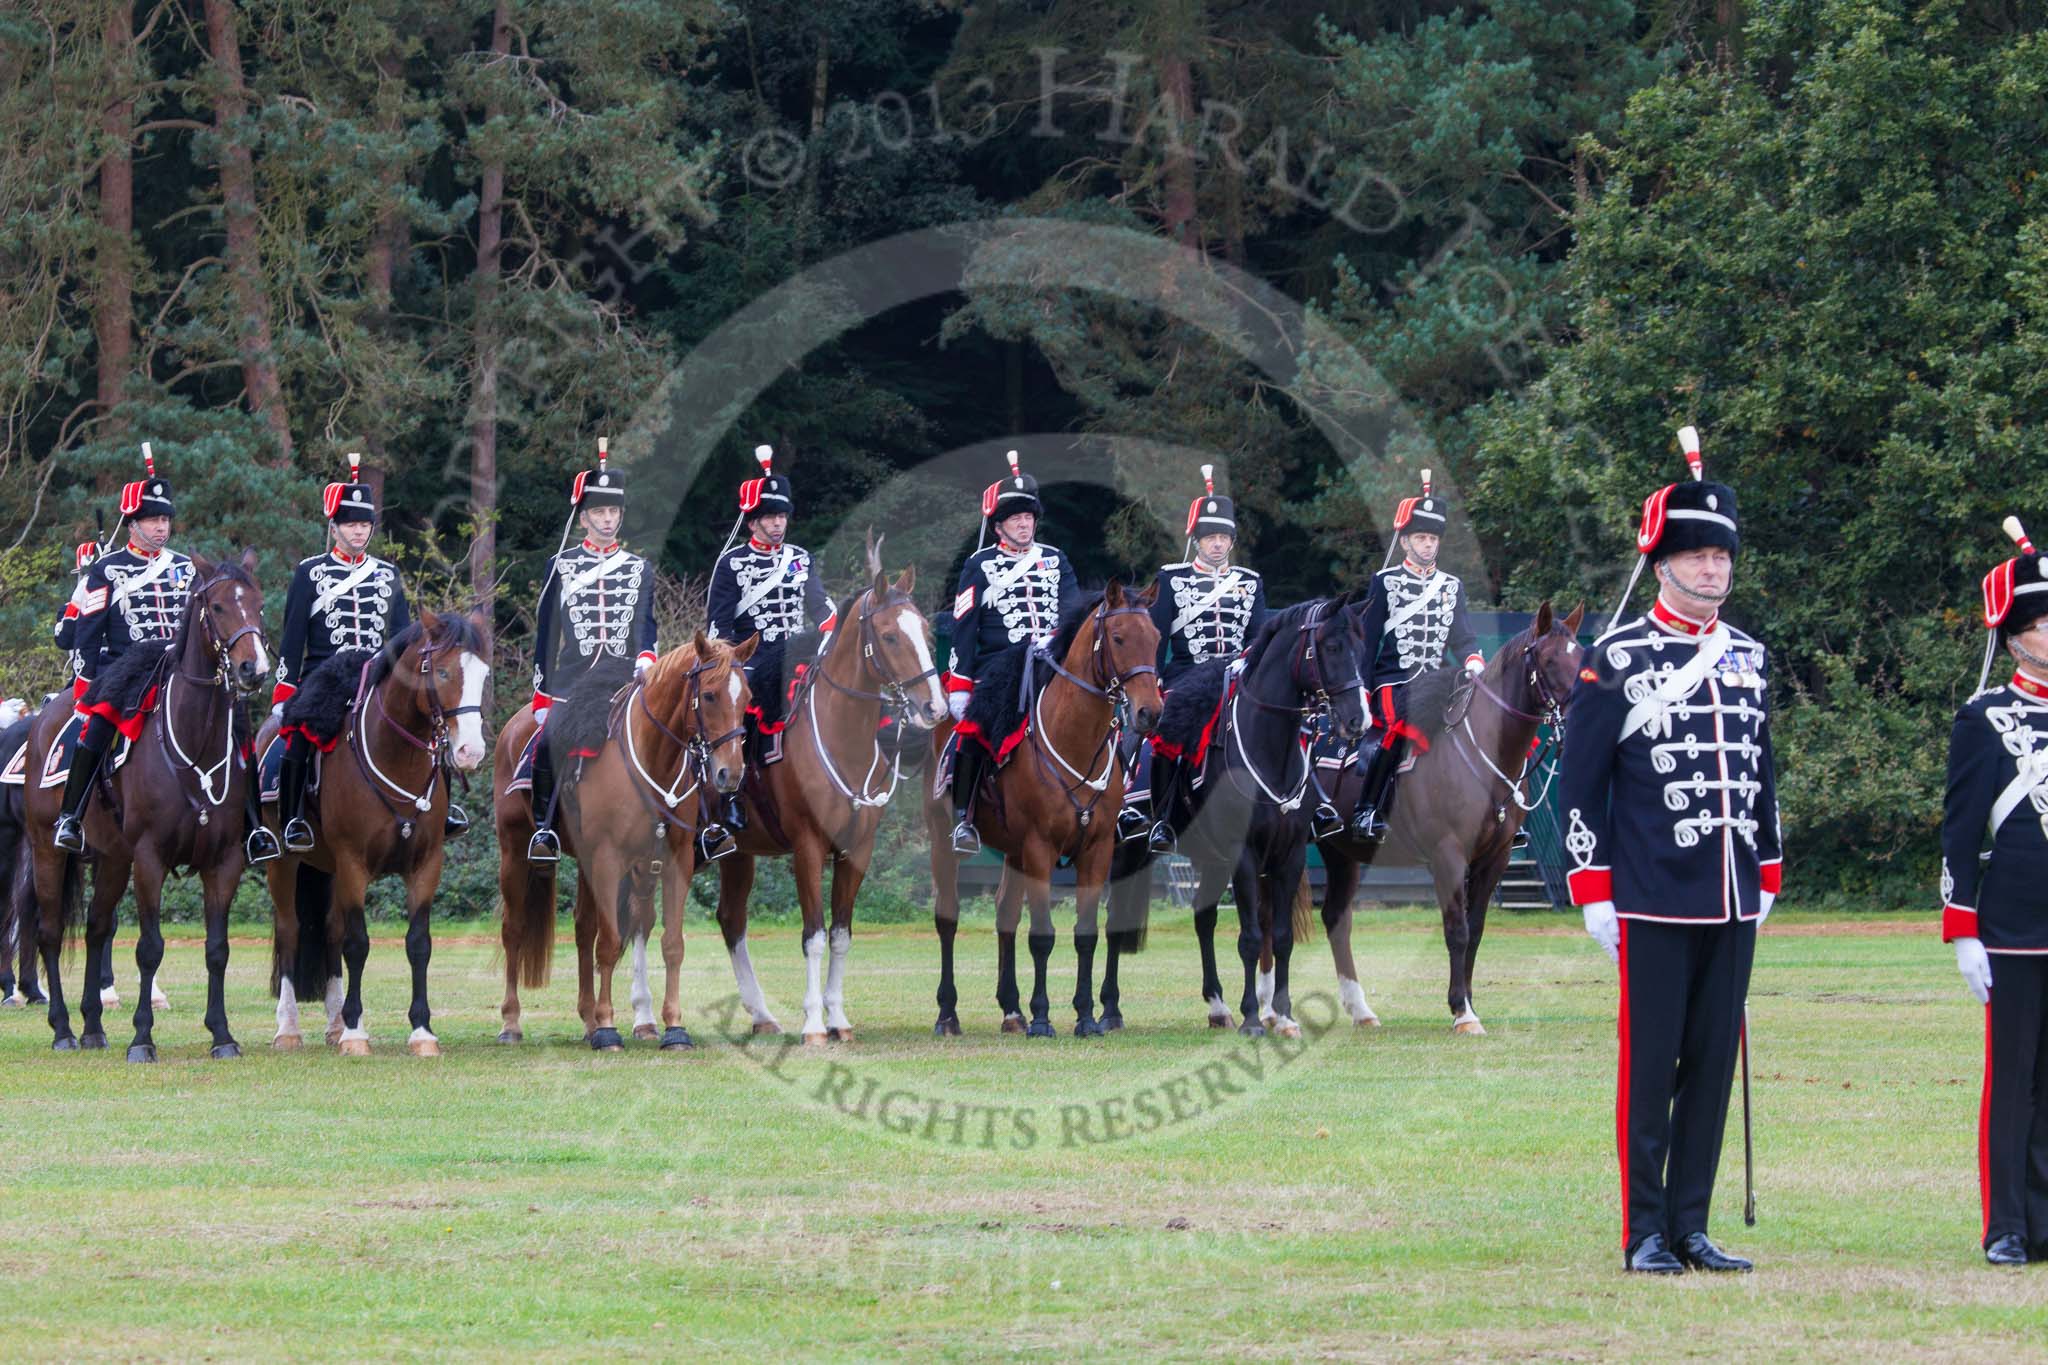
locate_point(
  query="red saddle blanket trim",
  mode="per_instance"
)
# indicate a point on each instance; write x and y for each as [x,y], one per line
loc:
[325,746]
[1166,748]
[1001,751]
[130,725]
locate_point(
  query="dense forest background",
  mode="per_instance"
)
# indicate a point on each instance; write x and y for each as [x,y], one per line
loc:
[1517,241]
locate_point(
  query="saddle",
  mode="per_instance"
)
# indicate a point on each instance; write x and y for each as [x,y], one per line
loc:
[57,764]
[270,771]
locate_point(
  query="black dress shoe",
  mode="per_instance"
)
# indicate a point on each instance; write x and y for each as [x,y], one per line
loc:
[2010,1249]
[1130,824]
[543,847]
[456,822]
[1161,840]
[1651,1257]
[1698,1253]
[260,846]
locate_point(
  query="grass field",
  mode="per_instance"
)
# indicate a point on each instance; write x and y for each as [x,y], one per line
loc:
[1389,1193]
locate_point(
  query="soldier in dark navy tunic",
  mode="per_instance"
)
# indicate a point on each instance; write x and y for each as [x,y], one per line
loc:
[1994,891]
[1417,620]
[1207,608]
[596,604]
[67,623]
[1671,823]
[133,597]
[1012,590]
[343,598]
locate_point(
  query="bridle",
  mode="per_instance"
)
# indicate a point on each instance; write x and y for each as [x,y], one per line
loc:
[1550,713]
[894,694]
[695,750]
[434,745]
[214,779]
[1104,683]
[1312,708]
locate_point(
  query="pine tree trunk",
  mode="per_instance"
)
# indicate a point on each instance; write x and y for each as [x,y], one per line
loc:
[238,201]
[391,238]
[483,446]
[113,301]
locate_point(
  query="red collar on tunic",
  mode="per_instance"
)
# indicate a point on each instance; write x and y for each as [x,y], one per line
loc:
[1679,624]
[142,550]
[345,557]
[1412,567]
[598,549]
[755,542]
[2022,683]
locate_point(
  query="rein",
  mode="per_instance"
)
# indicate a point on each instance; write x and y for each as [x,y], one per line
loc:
[1551,714]
[1313,700]
[695,750]
[214,779]
[434,745]
[1107,687]
[895,693]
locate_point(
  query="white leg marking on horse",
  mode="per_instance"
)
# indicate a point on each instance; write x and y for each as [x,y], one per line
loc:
[421,1035]
[157,999]
[469,726]
[912,627]
[835,981]
[643,995]
[1219,1010]
[750,987]
[109,997]
[336,993]
[360,1033]
[814,988]
[287,1009]
[1467,1022]
[1265,989]
[1353,996]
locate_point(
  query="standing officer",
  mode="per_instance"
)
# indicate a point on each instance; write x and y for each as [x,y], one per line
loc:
[1012,591]
[1207,608]
[596,603]
[342,598]
[1672,827]
[1994,891]
[1416,621]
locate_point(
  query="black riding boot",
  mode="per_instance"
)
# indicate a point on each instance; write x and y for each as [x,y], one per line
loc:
[291,793]
[85,766]
[543,847]
[1376,796]
[260,845]
[968,759]
[1165,803]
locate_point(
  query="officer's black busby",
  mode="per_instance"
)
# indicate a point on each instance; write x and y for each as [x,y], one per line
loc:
[1211,515]
[1691,515]
[149,496]
[2015,595]
[1428,513]
[769,494]
[1007,497]
[599,487]
[351,501]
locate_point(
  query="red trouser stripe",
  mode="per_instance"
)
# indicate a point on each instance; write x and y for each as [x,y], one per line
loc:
[1984,1133]
[1621,1086]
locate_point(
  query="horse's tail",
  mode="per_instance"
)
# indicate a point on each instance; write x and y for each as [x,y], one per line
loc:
[71,898]
[313,966]
[531,942]
[1304,911]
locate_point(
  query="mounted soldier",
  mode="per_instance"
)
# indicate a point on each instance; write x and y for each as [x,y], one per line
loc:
[1013,590]
[133,598]
[1416,621]
[765,586]
[596,605]
[342,598]
[1207,608]
[1671,807]
[1994,891]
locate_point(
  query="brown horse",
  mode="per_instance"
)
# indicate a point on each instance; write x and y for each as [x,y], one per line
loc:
[176,803]
[628,815]
[823,802]
[381,811]
[1461,804]
[1056,797]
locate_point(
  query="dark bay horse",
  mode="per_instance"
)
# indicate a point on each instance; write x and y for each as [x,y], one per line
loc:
[176,803]
[381,810]
[1056,797]
[1463,801]
[1244,827]
[629,813]
[822,803]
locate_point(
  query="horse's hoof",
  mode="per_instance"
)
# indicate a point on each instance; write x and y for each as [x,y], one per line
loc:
[1013,1023]
[227,1051]
[1111,1022]
[511,1035]
[1088,1028]
[424,1047]
[287,1042]
[766,1026]
[840,1035]
[947,1027]
[645,1033]
[1468,1027]
[1370,1021]
[14,1001]
[814,1040]
[1041,1028]
[334,1036]
[677,1039]
[355,1047]
[1250,1029]
[142,1052]
[93,1042]
[65,1044]
[606,1040]
[1287,1028]
[1268,1018]
[1219,1021]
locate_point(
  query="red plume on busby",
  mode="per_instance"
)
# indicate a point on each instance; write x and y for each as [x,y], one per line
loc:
[149,496]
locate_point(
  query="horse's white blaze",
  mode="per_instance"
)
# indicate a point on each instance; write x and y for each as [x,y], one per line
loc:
[913,629]
[287,1009]
[835,981]
[469,726]
[1353,997]
[262,658]
[814,988]
[733,679]
[643,994]
[750,987]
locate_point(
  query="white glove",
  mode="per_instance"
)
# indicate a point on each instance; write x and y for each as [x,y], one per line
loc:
[1764,901]
[1975,965]
[640,668]
[277,710]
[11,711]
[956,702]
[540,717]
[1605,927]
[1474,667]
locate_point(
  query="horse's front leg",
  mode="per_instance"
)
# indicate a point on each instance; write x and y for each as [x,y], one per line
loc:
[349,923]
[1091,872]
[218,887]
[99,945]
[1036,875]
[1209,895]
[602,872]
[1009,908]
[1285,887]
[1449,869]
[676,871]
[149,950]
[807,864]
[420,886]
[847,875]
[1340,883]
[735,885]
[1245,886]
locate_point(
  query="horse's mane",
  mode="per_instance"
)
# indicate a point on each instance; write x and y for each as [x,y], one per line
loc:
[1278,624]
[322,701]
[451,631]
[1070,624]
[770,664]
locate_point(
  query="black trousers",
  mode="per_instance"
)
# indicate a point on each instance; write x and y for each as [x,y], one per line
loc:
[1682,988]
[2012,1120]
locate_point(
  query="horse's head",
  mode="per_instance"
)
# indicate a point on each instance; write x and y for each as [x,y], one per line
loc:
[1554,659]
[228,606]
[721,698]
[449,656]
[895,643]
[1340,657]
[1126,649]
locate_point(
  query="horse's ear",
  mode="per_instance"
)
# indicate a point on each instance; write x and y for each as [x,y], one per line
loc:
[1543,619]
[430,621]
[249,561]
[481,619]
[907,580]
[875,555]
[701,645]
[1150,595]
[1571,623]
[746,651]
[202,567]
[1113,593]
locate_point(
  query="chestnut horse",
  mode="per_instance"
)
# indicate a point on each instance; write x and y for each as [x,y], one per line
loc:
[1463,801]
[176,803]
[381,811]
[628,815]
[823,801]
[1057,796]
